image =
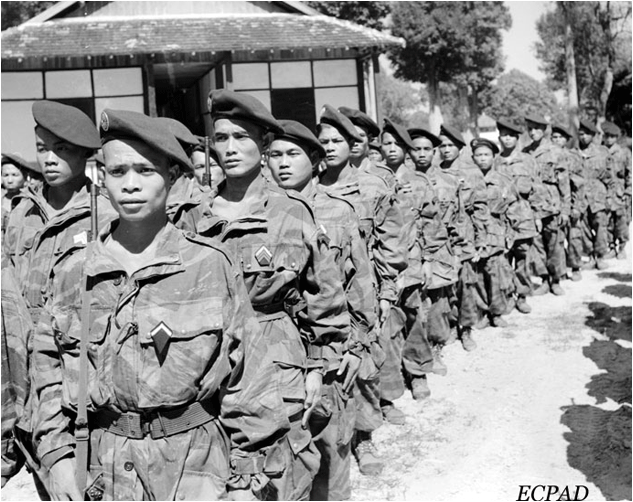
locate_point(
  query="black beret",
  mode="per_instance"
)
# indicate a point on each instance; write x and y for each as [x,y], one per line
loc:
[375,145]
[418,132]
[297,132]
[361,119]
[560,128]
[398,131]
[504,123]
[66,122]
[238,105]
[588,126]
[610,128]
[200,148]
[479,142]
[124,124]
[13,158]
[453,134]
[331,116]
[181,131]
[536,118]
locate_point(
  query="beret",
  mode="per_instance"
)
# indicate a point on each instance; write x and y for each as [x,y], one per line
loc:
[297,132]
[199,147]
[562,129]
[331,116]
[479,142]
[13,158]
[124,124]
[398,131]
[418,132]
[374,145]
[181,131]
[361,119]
[610,128]
[536,118]
[453,134]
[238,105]
[588,126]
[504,123]
[66,122]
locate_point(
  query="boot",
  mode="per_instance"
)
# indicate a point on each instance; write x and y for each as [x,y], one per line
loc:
[420,388]
[369,463]
[499,322]
[621,251]
[439,368]
[542,289]
[556,289]
[392,414]
[523,306]
[575,275]
[601,264]
[467,340]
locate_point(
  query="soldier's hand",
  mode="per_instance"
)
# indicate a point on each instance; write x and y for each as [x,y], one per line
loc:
[539,225]
[383,310]
[350,366]
[314,383]
[427,273]
[62,482]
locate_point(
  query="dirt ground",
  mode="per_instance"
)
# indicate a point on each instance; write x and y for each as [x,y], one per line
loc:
[545,401]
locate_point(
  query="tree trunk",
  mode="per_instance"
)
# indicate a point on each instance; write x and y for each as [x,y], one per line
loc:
[570,66]
[473,110]
[608,76]
[435,113]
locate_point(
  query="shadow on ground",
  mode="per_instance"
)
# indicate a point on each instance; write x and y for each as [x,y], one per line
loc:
[600,440]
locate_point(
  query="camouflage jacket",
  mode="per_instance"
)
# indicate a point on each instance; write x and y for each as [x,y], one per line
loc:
[186,203]
[342,227]
[554,192]
[35,239]
[599,178]
[381,221]
[192,287]
[379,169]
[16,329]
[619,159]
[522,168]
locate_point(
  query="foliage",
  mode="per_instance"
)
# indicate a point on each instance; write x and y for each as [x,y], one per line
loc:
[398,99]
[369,14]
[516,94]
[15,13]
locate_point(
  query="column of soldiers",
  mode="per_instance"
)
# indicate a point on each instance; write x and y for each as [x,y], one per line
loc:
[235,319]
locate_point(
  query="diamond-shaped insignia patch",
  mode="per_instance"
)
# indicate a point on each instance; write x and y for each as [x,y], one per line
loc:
[161,335]
[263,256]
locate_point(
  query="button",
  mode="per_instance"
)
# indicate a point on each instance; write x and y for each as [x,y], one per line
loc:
[128,466]
[118,280]
[248,266]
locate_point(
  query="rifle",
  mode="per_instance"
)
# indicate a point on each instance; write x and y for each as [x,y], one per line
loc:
[207,160]
[82,431]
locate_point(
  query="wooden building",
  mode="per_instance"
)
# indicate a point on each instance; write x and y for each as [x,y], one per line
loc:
[163,58]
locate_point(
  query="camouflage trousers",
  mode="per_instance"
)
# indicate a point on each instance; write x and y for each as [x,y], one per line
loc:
[576,244]
[618,228]
[406,345]
[332,428]
[438,310]
[367,389]
[495,283]
[469,303]
[550,248]
[594,225]
[518,256]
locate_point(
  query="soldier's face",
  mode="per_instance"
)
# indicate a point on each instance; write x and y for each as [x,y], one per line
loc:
[610,139]
[448,150]
[290,165]
[239,144]
[559,139]
[337,149]
[585,138]
[12,177]
[422,153]
[392,151]
[61,162]
[360,149]
[483,158]
[375,155]
[535,131]
[137,179]
[199,169]
[508,139]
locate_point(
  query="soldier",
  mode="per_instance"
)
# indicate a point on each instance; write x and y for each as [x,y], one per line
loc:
[554,176]
[288,269]
[179,398]
[46,225]
[16,329]
[465,213]
[292,158]
[198,160]
[14,176]
[522,168]
[620,211]
[375,154]
[600,184]
[577,180]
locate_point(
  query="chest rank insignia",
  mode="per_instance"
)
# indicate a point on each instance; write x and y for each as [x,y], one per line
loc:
[161,335]
[263,256]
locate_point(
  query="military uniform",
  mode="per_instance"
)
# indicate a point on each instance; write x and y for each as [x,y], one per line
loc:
[186,203]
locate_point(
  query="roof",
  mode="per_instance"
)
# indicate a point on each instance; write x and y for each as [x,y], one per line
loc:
[141,35]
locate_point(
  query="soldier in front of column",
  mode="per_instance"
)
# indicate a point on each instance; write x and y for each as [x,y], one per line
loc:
[293,157]
[178,396]
[600,188]
[522,168]
[561,136]
[553,174]
[620,211]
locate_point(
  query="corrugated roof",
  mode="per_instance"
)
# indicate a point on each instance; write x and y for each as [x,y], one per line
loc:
[119,36]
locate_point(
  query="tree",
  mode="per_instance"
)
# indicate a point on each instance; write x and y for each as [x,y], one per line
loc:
[398,99]
[15,13]
[450,42]
[516,94]
[369,14]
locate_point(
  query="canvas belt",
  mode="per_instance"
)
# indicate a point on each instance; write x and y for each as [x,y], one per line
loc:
[158,423]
